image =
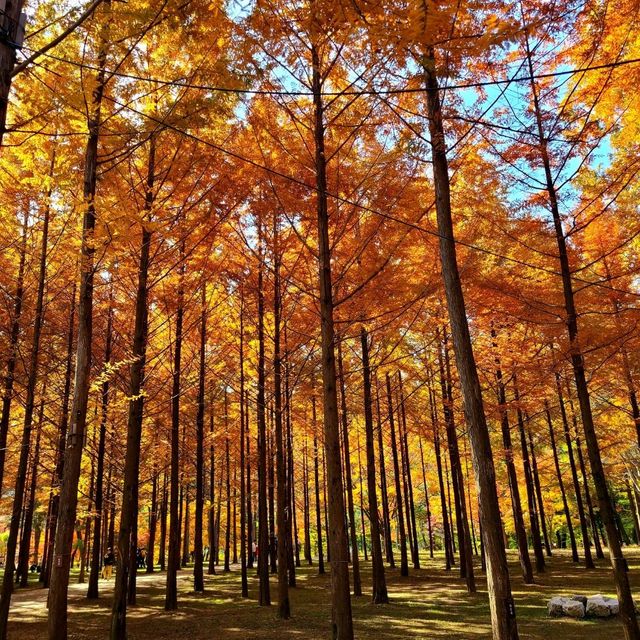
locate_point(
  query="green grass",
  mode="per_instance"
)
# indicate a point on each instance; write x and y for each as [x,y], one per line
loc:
[431,603]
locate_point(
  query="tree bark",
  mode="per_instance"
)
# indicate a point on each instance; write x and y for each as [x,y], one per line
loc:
[263,531]
[173,563]
[198,560]
[14,337]
[379,595]
[404,566]
[316,467]
[94,574]
[10,23]
[25,443]
[355,560]
[503,619]
[528,477]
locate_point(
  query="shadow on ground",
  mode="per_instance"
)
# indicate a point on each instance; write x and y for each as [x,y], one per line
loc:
[431,603]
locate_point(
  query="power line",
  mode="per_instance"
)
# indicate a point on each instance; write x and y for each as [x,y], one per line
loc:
[162,124]
[350,92]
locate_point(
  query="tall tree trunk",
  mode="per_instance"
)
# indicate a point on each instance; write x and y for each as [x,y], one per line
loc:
[153,515]
[62,438]
[584,527]
[503,619]
[227,540]
[25,540]
[404,446]
[362,515]
[243,425]
[528,477]
[94,574]
[379,595]
[587,495]
[316,468]
[618,562]
[250,529]
[426,498]
[211,568]
[14,337]
[565,506]
[384,495]
[25,443]
[342,625]
[306,503]
[516,504]
[404,566]
[273,565]
[162,549]
[284,607]
[263,530]
[293,547]
[198,559]
[173,563]
[538,488]
[462,524]
[355,560]
[448,548]
[57,622]
[127,535]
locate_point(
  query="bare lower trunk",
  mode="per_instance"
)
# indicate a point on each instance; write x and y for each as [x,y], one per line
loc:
[379,595]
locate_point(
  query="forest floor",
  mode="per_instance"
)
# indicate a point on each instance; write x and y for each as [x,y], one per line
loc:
[431,603]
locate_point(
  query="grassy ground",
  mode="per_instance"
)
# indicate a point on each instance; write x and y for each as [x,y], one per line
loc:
[431,603]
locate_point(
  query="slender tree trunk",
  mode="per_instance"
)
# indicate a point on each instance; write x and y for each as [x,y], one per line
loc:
[462,524]
[173,563]
[273,566]
[250,529]
[426,498]
[57,622]
[618,562]
[25,443]
[153,516]
[162,550]
[404,444]
[448,548]
[316,467]
[227,540]
[362,516]
[587,494]
[386,516]
[516,504]
[284,607]
[25,540]
[404,566]
[211,569]
[14,336]
[565,506]
[263,531]
[198,560]
[503,619]
[355,560]
[538,488]
[584,527]
[94,574]
[306,503]
[243,514]
[528,476]
[379,595]
[62,438]
[127,535]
